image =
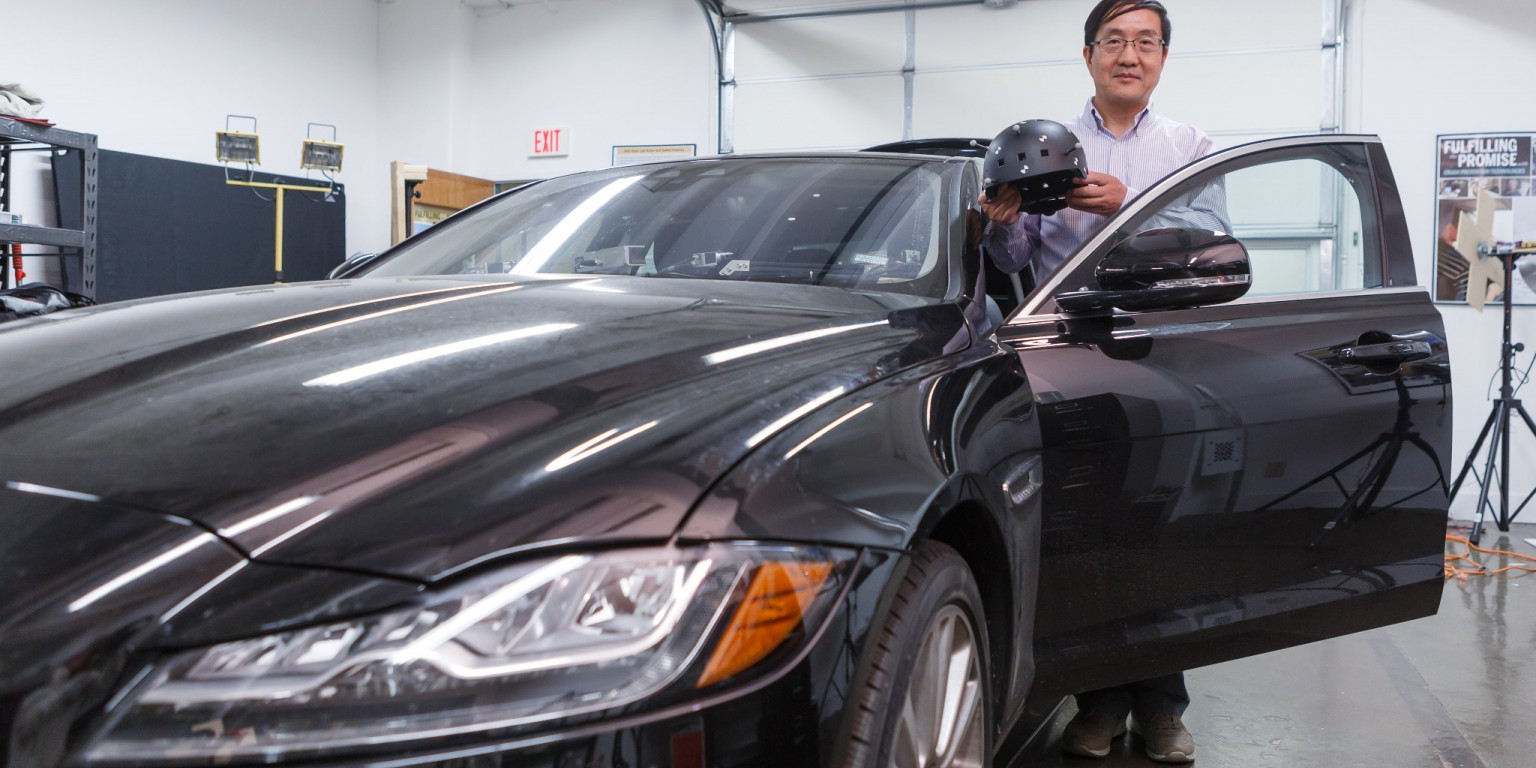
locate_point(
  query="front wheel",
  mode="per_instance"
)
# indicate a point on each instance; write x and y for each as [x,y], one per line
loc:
[925,697]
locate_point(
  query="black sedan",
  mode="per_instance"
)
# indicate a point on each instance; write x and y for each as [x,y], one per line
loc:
[746,461]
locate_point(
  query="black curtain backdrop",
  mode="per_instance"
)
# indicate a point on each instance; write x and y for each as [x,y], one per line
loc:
[170,226]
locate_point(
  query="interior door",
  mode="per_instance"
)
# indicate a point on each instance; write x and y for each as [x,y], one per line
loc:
[1230,479]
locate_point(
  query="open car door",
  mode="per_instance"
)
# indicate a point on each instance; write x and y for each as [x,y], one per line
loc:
[1231,478]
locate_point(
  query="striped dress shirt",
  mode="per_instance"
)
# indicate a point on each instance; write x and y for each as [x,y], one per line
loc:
[1154,147]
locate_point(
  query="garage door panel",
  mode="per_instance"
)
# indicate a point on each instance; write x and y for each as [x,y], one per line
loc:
[837,45]
[1219,25]
[815,83]
[1281,92]
[1051,30]
[995,36]
[956,103]
[840,113]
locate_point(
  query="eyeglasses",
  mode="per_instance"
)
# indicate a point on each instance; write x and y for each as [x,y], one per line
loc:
[1144,45]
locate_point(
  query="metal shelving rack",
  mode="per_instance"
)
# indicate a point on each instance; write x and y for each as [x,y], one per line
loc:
[22,136]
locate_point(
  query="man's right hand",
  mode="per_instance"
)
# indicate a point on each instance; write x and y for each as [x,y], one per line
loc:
[1004,208]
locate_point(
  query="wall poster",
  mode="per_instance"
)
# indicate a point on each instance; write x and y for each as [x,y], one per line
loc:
[631,154]
[1485,191]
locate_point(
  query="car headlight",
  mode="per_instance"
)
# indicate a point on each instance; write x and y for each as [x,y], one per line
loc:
[547,639]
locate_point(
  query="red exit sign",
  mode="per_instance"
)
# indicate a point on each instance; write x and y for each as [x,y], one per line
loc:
[550,142]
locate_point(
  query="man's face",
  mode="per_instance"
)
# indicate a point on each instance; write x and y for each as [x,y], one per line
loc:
[1126,79]
[1450,229]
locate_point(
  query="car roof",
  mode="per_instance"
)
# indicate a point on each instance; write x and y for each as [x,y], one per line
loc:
[946,147]
[940,151]
[851,154]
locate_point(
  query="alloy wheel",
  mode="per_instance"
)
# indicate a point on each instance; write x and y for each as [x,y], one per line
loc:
[941,723]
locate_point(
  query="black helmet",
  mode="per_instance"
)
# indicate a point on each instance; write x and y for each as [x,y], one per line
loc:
[1040,158]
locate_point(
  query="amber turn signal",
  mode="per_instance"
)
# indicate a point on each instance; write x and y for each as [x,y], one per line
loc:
[775,603]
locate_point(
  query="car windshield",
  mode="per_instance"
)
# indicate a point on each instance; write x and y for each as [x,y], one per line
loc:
[866,223]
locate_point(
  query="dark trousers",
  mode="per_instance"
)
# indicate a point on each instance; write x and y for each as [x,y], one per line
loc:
[1164,695]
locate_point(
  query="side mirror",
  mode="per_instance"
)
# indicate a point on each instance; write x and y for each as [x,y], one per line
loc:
[1166,269]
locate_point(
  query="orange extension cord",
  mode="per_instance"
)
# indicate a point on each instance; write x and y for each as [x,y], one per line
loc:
[1476,568]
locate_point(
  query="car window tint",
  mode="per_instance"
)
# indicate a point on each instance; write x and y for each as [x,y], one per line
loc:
[875,223]
[1304,214]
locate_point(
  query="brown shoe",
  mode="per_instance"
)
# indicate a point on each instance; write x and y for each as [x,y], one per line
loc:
[1092,733]
[1167,740]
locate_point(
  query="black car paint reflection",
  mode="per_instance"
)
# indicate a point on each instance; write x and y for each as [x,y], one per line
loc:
[1132,492]
[1138,471]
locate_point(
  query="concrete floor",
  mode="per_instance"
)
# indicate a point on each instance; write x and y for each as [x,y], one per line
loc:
[1457,689]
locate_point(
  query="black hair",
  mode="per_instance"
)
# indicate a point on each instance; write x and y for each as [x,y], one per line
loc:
[1109,10]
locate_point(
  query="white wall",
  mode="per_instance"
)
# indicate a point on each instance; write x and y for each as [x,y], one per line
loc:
[157,77]
[612,71]
[424,83]
[1427,67]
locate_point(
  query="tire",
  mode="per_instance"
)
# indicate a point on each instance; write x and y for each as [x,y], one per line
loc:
[924,696]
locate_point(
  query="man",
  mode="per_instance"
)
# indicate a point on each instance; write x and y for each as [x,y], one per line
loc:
[1129,147]
[1451,267]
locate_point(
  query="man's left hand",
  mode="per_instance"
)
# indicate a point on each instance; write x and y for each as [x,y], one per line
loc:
[1100,193]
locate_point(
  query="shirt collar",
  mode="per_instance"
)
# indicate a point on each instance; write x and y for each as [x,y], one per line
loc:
[1091,117]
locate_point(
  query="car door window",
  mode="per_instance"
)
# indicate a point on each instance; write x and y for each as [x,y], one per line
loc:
[1305,214]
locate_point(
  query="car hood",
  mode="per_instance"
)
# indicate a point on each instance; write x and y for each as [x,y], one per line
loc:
[418,426]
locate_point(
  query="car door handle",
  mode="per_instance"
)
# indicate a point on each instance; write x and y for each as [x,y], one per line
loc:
[1398,352]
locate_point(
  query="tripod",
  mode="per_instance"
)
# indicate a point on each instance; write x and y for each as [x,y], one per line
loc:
[1498,422]
[1361,500]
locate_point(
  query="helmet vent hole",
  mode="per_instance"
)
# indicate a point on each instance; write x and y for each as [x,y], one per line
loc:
[1045,153]
[1022,157]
